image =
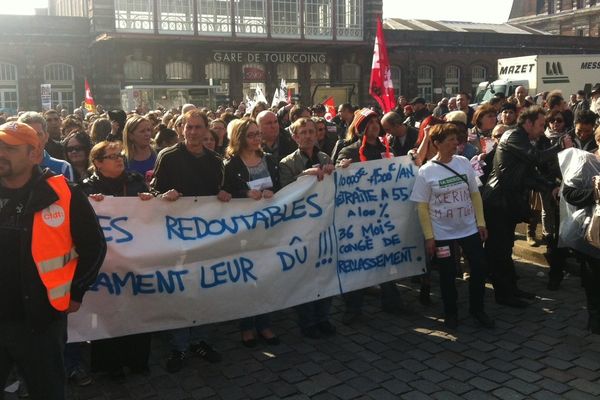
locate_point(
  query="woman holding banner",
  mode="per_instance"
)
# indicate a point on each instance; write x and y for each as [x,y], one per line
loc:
[109,178]
[251,173]
[450,210]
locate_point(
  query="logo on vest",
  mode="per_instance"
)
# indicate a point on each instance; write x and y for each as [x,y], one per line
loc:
[54,215]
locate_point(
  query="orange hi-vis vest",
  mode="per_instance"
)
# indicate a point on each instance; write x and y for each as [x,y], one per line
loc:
[52,245]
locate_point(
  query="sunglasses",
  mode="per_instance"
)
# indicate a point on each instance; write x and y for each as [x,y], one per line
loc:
[113,157]
[74,149]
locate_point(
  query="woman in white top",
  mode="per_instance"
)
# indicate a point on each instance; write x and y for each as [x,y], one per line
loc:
[451,211]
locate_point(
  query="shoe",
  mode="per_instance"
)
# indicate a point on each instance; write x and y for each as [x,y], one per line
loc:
[425,295]
[312,332]
[175,361]
[512,301]
[80,377]
[523,294]
[22,392]
[532,241]
[350,317]
[484,319]
[205,351]
[271,341]
[553,285]
[326,328]
[117,375]
[451,321]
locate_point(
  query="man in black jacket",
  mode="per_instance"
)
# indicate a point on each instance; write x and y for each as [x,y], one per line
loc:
[404,137]
[37,288]
[506,199]
[190,169]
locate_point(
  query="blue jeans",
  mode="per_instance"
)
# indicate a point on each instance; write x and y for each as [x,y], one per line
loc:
[183,337]
[38,356]
[258,322]
[310,314]
[473,251]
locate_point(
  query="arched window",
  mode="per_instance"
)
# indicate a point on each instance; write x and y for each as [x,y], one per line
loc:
[137,70]
[176,16]
[478,75]
[9,91]
[425,82]
[396,74]
[62,85]
[134,15]
[452,80]
[217,74]
[289,73]
[179,71]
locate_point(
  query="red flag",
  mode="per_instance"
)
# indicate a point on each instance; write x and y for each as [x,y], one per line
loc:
[89,100]
[329,104]
[381,87]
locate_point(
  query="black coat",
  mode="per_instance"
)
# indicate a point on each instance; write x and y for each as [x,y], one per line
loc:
[237,176]
[372,152]
[88,240]
[127,185]
[409,143]
[515,173]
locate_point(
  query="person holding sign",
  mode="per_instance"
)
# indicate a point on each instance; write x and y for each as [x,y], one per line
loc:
[251,173]
[367,128]
[450,210]
[190,169]
[313,317]
[109,178]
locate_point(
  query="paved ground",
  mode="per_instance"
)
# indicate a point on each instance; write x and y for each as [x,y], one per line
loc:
[542,352]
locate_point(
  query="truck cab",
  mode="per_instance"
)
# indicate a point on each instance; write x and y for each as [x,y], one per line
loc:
[487,90]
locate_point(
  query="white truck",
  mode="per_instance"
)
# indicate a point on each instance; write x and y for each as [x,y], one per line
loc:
[543,73]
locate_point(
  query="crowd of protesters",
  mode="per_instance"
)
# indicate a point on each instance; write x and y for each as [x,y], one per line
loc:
[498,158]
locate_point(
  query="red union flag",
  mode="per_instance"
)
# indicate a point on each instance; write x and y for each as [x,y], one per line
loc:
[329,104]
[89,100]
[381,87]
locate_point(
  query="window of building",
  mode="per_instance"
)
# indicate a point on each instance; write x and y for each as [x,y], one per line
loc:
[396,74]
[452,80]
[319,75]
[250,17]
[349,19]
[178,71]
[351,74]
[478,75]
[317,19]
[134,15]
[289,73]
[285,18]
[9,98]
[61,78]
[176,16]
[217,74]
[70,8]
[136,70]
[425,82]
[214,17]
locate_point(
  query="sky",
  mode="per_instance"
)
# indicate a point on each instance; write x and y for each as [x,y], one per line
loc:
[495,11]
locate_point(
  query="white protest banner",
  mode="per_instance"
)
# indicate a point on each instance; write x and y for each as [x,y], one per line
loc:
[197,260]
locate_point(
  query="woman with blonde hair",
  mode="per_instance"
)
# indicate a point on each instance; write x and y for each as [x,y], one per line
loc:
[137,139]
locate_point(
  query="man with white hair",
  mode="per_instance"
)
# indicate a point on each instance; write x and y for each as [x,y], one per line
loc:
[278,143]
[187,107]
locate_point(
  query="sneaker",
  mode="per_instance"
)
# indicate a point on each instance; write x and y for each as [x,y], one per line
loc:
[205,351]
[483,319]
[80,377]
[451,321]
[175,361]
[22,392]
[326,328]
